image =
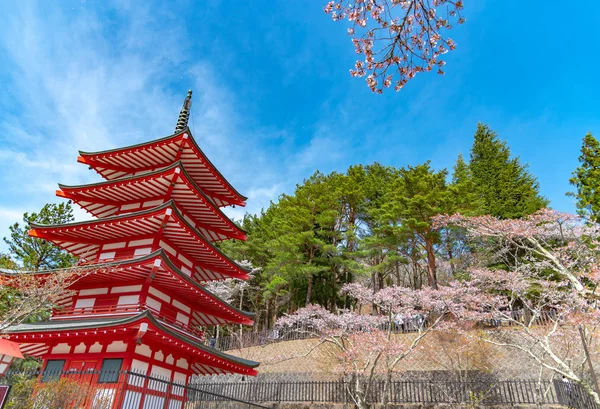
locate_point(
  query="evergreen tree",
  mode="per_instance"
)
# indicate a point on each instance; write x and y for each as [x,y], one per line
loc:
[466,199]
[37,254]
[586,180]
[504,185]
[420,194]
[7,262]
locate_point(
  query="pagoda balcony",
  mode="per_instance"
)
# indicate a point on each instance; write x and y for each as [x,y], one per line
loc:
[86,312]
[127,310]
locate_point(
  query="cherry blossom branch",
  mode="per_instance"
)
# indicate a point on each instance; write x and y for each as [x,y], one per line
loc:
[397,39]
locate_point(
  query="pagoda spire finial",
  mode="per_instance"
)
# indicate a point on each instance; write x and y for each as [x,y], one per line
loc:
[184,115]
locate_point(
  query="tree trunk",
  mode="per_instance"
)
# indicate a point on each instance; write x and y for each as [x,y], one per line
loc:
[334,296]
[309,289]
[431,273]
[360,393]
[267,305]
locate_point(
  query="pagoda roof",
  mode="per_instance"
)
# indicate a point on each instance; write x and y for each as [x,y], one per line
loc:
[86,239]
[34,339]
[149,156]
[213,311]
[134,193]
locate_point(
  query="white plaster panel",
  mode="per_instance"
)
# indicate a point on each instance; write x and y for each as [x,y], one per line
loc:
[111,246]
[116,346]
[94,291]
[130,206]
[182,363]
[167,248]
[184,260]
[61,349]
[189,220]
[142,242]
[128,299]
[80,349]
[126,289]
[184,319]
[152,303]
[97,347]
[181,306]
[153,203]
[160,372]
[85,302]
[143,350]
[108,255]
[142,251]
[138,366]
[159,294]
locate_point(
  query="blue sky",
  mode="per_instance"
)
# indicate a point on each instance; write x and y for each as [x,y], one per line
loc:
[273,100]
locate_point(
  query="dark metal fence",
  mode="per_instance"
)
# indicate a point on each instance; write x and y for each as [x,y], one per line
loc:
[412,324]
[516,392]
[110,390]
[131,390]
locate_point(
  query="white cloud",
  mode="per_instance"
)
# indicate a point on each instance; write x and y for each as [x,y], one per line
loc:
[77,82]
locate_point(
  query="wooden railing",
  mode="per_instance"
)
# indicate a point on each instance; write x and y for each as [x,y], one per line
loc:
[127,309]
[172,322]
[77,312]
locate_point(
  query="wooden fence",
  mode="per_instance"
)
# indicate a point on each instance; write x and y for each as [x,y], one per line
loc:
[419,392]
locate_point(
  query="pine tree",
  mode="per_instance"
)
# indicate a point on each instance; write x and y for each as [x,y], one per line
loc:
[420,193]
[37,254]
[504,185]
[586,179]
[466,199]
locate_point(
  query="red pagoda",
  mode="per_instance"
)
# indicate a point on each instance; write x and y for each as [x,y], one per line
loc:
[150,247]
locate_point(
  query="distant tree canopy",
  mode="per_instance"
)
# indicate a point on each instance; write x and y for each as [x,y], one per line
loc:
[372,224]
[506,188]
[586,180]
[36,254]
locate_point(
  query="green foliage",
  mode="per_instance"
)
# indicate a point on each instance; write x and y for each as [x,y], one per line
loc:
[505,186]
[28,393]
[373,224]
[418,193]
[36,254]
[466,199]
[586,179]
[21,391]
[7,262]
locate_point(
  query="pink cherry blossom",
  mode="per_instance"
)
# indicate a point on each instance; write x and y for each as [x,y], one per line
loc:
[398,39]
